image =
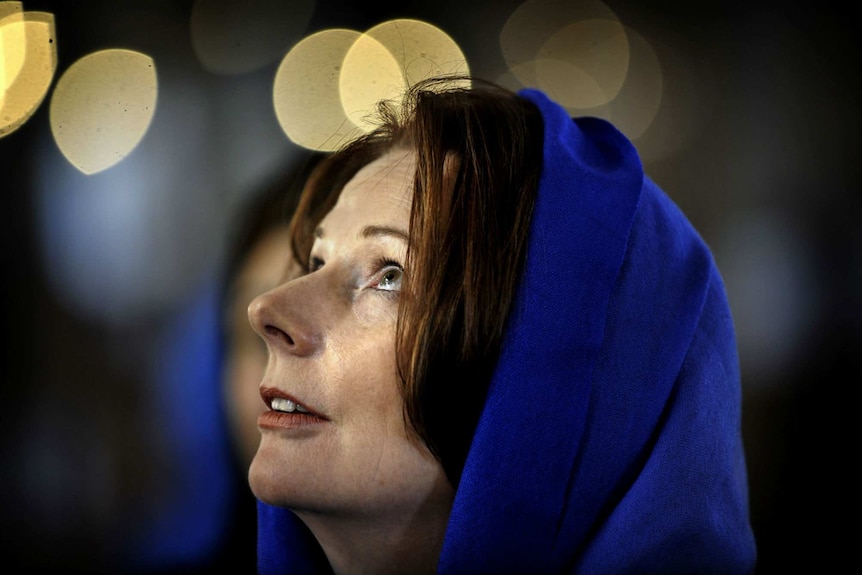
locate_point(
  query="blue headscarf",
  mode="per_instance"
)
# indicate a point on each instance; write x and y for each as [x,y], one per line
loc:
[610,440]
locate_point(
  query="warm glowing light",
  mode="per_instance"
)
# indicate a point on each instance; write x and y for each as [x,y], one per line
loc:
[422,50]
[232,37]
[370,73]
[102,106]
[581,55]
[576,50]
[598,49]
[13,44]
[328,85]
[305,91]
[637,104]
[28,59]
[534,22]
[563,81]
[391,56]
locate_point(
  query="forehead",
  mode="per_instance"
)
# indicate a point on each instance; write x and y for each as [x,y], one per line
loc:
[382,191]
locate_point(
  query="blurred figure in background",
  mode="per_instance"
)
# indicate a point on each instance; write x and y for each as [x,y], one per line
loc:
[211,365]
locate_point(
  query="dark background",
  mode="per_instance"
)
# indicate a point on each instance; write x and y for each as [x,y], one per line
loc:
[99,444]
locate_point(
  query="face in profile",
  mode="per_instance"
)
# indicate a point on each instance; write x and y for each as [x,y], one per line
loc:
[265,265]
[333,437]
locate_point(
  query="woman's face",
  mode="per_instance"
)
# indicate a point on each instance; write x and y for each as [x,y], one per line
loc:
[334,439]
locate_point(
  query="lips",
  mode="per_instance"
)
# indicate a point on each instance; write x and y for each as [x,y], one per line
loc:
[278,401]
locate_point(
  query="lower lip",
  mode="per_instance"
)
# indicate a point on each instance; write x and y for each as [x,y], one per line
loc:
[279,420]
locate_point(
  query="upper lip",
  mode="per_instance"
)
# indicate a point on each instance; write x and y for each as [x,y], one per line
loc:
[270,393]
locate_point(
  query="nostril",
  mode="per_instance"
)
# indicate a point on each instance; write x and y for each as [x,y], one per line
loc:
[273,331]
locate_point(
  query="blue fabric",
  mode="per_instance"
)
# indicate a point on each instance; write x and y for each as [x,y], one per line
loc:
[610,441]
[187,526]
[285,545]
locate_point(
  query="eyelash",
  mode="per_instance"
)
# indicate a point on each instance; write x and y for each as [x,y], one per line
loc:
[379,265]
[382,264]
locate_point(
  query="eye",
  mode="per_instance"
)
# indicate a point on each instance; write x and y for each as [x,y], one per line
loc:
[391,274]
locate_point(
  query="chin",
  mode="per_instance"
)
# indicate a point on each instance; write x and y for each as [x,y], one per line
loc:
[264,481]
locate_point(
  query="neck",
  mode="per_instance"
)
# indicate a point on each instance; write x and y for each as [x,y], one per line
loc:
[383,546]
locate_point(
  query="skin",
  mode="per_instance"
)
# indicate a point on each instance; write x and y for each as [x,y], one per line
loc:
[369,490]
[264,267]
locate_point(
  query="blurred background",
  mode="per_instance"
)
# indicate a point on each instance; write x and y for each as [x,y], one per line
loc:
[133,133]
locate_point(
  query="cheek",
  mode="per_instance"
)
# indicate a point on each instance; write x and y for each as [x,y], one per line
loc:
[368,383]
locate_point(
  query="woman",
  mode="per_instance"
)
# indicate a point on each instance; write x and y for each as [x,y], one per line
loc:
[511,353]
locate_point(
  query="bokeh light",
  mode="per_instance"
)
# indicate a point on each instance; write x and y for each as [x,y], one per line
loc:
[636,105]
[232,37]
[28,60]
[392,56]
[13,44]
[330,82]
[586,59]
[599,49]
[305,91]
[370,73]
[130,242]
[421,49]
[102,106]
[585,33]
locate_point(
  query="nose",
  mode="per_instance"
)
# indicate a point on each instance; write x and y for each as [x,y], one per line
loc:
[280,319]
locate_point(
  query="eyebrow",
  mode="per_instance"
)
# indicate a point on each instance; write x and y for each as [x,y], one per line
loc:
[373,231]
